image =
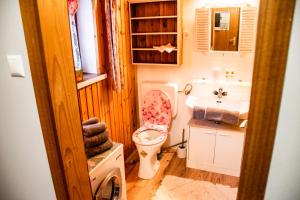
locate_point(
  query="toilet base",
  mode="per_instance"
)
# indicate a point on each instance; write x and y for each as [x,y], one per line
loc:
[149,172]
[149,165]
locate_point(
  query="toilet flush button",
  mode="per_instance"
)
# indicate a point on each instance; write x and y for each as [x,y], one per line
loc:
[16,67]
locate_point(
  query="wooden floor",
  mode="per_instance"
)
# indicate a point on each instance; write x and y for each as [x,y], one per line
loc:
[170,164]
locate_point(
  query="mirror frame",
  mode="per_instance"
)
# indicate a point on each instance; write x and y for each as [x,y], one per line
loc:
[210,31]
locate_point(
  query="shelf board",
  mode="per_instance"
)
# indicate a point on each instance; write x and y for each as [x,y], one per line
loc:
[156,33]
[146,1]
[156,64]
[146,49]
[155,17]
[89,79]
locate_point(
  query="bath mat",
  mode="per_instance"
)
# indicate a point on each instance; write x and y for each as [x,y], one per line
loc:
[177,188]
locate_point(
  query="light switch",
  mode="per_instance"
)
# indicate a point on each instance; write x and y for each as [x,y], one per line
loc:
[16,67]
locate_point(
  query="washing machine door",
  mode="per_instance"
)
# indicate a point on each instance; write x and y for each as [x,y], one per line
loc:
[111,187]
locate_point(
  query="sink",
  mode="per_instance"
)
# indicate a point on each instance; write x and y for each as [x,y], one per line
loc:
[237,99]
[241,106]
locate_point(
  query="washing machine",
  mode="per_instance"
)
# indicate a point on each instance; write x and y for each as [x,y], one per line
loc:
[107,174]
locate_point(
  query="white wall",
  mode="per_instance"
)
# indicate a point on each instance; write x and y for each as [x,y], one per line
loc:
[196,64]
[284,175]
[24,169]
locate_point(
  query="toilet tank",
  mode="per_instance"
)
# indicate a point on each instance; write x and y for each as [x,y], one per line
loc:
[170,89]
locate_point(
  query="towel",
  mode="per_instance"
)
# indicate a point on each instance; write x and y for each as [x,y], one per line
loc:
[222,115]
[198,112]
[92,120]
[93,129]
[98,149]
[231,117]
[214,114]
[96,139]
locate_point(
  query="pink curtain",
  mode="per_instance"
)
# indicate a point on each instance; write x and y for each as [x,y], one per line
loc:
[112,17]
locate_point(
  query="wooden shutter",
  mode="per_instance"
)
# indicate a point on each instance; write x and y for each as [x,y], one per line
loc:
[202,29]
[248,29]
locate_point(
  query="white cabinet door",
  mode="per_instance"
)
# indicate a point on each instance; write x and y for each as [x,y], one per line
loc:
[202,145]
[229,149]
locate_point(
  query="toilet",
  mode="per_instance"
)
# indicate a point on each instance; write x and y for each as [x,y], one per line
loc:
[158,106]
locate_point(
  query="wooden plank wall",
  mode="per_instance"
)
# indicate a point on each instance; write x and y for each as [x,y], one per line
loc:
[117,109]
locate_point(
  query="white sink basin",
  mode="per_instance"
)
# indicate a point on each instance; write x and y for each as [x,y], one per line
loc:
[232,105]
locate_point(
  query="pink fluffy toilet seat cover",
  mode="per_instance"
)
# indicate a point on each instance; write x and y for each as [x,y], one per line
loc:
[156,108]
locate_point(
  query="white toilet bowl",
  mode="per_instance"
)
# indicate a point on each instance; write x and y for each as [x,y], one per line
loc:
[148,143]
[158,106]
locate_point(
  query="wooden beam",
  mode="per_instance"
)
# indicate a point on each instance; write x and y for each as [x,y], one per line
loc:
[273,34]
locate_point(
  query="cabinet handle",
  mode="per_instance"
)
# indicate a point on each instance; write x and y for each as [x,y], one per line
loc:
[224,135]
[208,133]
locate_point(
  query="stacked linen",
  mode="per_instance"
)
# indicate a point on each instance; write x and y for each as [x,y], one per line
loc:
[216,114]
[95,137]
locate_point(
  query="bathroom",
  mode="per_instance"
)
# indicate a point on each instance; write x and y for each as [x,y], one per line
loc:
[172,66]
[146,99]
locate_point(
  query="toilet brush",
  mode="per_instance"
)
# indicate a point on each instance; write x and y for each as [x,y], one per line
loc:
[181,150]
[182,140]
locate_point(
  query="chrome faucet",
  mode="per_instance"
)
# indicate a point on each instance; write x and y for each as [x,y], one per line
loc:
[220,94]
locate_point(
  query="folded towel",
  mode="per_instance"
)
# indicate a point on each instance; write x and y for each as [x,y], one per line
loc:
[198,112]
[214,114]
[93,129]
[222,115]
[98,149]
[96,139]
[92,120]
[231,117]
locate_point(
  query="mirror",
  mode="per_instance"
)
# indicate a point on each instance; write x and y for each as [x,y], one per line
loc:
[225,29]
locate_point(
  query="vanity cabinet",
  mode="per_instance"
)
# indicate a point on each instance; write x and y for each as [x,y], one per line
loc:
[215,147]
[203,141]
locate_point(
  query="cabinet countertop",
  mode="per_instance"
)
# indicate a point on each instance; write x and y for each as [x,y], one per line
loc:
[212,125]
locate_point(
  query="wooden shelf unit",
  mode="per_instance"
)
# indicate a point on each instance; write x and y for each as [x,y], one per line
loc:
[155,23]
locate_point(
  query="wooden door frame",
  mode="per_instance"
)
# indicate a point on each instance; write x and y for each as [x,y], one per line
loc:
[44,57]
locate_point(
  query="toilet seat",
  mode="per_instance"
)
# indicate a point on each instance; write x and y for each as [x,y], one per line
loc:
[148,136]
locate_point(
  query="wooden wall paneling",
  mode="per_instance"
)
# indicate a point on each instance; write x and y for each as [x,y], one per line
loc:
[120,133]
[100,101]
[126,117]
[113,116]
[38,70]
[83,104]
[89,98]
[105,102]
[96,101]
[56,38]
[106,107]
[132,83]
[269,70]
